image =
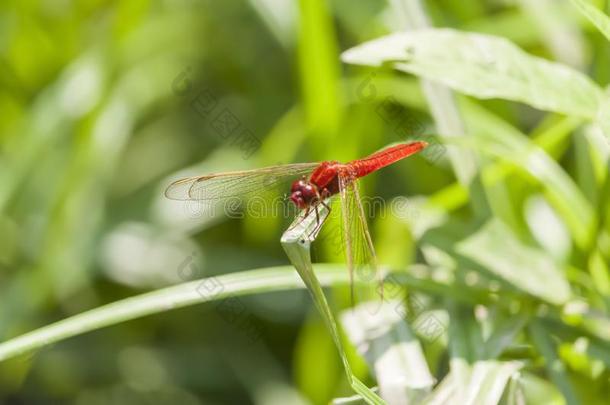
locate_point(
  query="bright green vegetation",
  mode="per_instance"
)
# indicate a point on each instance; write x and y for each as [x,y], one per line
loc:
[496,240]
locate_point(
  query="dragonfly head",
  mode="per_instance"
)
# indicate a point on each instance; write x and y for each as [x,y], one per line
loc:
[303,193]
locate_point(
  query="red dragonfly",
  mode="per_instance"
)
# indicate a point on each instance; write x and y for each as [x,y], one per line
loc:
[317,182]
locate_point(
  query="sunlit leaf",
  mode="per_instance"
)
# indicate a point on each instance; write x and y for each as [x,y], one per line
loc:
[381,335]
[547,228]
[500,139]
[485,67]
[488,381]
[485,384]
[527,268]
[537,390]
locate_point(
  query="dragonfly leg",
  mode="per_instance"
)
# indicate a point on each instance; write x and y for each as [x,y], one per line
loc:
[295,224]
[323,195]
[318,224]
[329,210]
[326,206]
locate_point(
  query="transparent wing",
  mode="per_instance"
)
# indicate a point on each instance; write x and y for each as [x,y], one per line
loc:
[219,186]
[359,250]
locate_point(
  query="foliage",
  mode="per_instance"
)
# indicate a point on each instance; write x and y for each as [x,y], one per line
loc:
[497,237]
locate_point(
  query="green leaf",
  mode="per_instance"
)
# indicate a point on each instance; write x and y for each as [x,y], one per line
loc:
[296,242]
[529,269]
[539,391]
[461,328]
[554,366]
[351,400]
[466,339]
[441,101]
[514,392]
[560,33]
[485,384]
[603,118]
[485,67]
[165,299]
[385,340]
[488,381]
[596,347]
[500,139]
[597,17]
[504,335]
[444,392]
[599,149]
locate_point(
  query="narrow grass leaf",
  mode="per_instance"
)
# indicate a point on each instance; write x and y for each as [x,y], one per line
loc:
[504,335]
[486,383]
[596,347]
[596,16]
[296,242]
[539,391]
[547,228]
[165,299]
[554,366]
[599,149]
[561,35]
[603,119]
[351,400]
[444,393]
[514,394]
[459,348]
[489,380]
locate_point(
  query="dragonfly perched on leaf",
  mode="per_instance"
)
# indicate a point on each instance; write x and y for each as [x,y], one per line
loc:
[315,183]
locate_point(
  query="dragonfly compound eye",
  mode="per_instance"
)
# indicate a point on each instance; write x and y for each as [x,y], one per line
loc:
[309,192]
[298,200]
[297,185]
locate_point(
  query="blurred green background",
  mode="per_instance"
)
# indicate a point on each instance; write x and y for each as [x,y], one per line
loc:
[104,103]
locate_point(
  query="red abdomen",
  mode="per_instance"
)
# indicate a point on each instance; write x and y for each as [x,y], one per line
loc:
[385,157]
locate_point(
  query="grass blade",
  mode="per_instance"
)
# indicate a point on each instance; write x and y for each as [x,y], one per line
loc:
[554,366]
[485,384]
[597,17]
[503,335]
[489,380]
[603,118]
[165,299]
[296,242]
